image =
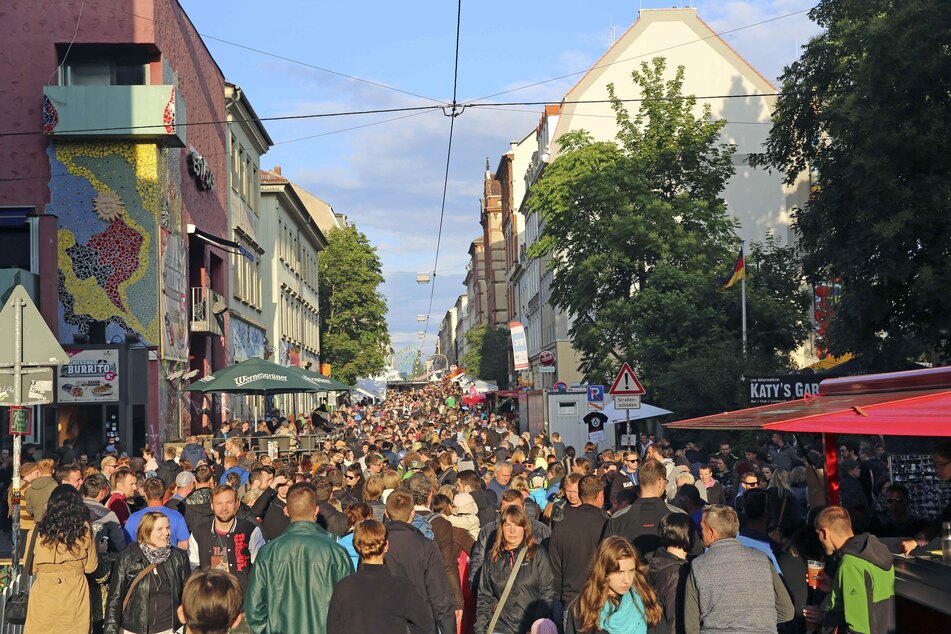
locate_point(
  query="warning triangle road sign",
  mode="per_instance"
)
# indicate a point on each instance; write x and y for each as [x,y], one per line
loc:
[40,346]
[626,382]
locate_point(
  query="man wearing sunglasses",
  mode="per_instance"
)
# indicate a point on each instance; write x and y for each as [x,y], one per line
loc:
[626,476]
[900,522]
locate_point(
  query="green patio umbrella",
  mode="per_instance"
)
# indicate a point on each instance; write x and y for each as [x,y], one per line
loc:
[255,376]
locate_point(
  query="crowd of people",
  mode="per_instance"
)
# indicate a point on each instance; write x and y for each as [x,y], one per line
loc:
[422,515]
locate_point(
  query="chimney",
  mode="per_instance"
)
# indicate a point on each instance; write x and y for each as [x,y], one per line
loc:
[277,170]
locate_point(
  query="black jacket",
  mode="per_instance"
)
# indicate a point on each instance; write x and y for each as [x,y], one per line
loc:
[395,605]
[168,471]
[332,520]
[486,504]
[129,564]
[531,597]
[198,507]
[668,577]
[638,522]
[573,543]
[417,558]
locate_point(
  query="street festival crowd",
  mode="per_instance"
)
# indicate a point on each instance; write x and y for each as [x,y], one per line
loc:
[424,515]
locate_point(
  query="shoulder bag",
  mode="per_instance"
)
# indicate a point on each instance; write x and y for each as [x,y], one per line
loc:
[15,610]
[505,593]
[135,582]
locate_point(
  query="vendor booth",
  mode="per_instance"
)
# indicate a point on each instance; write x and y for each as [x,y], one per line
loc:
[912,403]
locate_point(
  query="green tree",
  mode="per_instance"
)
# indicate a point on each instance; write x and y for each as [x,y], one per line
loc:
[353,333]
[636,233]
[486,354]
[867,110]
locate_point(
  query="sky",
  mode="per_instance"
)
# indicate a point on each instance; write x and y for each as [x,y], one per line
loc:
[387,174]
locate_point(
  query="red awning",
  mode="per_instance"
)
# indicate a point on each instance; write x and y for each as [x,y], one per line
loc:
[913,403]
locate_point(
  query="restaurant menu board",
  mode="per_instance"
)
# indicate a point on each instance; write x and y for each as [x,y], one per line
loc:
[91,376]
[928,494]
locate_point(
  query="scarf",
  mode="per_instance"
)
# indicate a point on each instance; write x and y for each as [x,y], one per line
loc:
[156,555]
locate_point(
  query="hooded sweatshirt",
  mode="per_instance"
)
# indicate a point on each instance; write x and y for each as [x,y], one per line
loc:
[863,592]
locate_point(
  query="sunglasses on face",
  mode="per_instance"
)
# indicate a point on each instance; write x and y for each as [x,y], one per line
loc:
[896,500]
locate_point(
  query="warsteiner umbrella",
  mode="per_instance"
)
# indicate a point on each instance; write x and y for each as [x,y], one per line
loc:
[255,376]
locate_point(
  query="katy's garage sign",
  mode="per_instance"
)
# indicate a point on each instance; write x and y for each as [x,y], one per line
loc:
[777,389]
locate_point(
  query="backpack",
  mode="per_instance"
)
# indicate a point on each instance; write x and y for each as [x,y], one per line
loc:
[194,453]
[422,523]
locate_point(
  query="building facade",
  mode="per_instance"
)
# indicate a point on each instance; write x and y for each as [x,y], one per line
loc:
[248,141]
[493,242]
[291,310]
[124,204]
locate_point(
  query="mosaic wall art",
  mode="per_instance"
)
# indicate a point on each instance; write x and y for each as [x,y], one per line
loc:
[108,197]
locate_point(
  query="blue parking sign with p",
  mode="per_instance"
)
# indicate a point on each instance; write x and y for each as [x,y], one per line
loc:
[595,393]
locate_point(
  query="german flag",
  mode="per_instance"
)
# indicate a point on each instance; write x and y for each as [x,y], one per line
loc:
[739,271]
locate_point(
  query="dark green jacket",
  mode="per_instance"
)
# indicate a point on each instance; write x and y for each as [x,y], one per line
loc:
[862,600]
[293,579]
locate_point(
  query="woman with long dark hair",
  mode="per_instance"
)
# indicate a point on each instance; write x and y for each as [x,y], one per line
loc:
[617,597]
[532,594]
[147,603]
[63,554]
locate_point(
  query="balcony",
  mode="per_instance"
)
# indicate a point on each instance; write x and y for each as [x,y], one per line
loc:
[139,113]
[208,308]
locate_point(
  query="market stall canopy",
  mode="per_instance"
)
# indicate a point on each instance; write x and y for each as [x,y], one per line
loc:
[374,387]
[644,411]
[912,403]
[321,382]
[255,376]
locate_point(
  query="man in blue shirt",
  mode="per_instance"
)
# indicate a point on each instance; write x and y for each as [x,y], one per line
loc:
[154,491]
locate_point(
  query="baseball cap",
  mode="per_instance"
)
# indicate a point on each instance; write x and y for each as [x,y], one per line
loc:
[184,479]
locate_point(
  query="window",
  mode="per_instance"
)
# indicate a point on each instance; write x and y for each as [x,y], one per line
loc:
[235,164]
[105,73]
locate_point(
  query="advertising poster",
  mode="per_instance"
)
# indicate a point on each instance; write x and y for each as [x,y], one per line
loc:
[91,376]
[519,345]
[174,297]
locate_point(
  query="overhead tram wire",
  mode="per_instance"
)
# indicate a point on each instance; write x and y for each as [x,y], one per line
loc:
[454,110]
[305,138]
[628,59]
[275,55]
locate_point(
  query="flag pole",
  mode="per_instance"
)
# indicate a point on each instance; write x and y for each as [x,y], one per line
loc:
[743,299]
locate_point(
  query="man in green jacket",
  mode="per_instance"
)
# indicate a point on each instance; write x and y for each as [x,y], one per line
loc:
[294,575]
[861,597]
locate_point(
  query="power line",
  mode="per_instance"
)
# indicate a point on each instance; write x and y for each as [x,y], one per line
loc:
[454,112]
[313,136]
[752,95]
[290,117]
[611,116]
[277,56]
[628,59]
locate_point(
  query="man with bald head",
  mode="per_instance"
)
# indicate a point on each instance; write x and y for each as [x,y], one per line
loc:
[294,575]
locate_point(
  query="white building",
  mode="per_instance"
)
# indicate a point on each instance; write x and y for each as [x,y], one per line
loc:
[247,140]
[291,307]
[757,199]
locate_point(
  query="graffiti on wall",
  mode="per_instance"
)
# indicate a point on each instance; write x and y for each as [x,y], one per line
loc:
[108,197]
[246,341]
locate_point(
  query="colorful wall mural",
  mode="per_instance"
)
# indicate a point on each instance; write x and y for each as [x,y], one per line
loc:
[108,197]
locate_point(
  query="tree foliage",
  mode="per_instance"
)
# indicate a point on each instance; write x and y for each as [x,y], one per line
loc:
[867,108]
[486,354]
[636,234]
[353,333]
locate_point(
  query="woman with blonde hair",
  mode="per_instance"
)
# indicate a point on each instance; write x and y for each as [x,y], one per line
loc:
[147,581]
[617,598]
[531,596]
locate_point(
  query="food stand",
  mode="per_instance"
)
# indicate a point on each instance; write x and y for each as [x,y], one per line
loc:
[912,403]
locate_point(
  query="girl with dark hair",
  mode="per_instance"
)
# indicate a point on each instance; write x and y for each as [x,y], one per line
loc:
[147,603]
[63,554]
[666,565]
[353,483]
[532,594]
[616,598]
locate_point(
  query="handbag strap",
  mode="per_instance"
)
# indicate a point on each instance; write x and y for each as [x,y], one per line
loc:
[135,582]
[31,549]
[505,593]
